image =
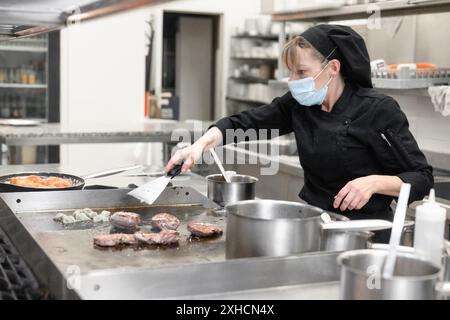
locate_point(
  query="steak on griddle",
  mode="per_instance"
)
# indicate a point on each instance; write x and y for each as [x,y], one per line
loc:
[129,239]
[204,230]
[125,222]
[114,240]
[165,237]
[165,221]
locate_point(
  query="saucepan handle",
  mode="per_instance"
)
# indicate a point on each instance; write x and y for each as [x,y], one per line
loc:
[358,225]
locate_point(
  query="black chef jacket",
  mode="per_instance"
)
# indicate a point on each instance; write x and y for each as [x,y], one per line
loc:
[338,146]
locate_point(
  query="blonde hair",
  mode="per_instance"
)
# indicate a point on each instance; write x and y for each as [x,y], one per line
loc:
[289,54]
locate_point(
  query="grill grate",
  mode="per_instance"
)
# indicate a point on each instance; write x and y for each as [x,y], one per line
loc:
[16,280]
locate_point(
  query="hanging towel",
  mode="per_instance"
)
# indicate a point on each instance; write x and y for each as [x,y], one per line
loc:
[440,97]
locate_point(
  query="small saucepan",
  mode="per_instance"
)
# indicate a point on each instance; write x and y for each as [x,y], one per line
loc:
[343,240]
[241,187]
[414,277]
[78,182]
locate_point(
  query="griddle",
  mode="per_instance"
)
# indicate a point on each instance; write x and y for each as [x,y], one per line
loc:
[73,245]
[58,255]
[64,248]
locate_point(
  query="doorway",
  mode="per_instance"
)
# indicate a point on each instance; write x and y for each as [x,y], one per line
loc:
[190,43]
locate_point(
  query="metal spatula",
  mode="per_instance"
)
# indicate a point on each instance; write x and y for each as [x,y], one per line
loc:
[150,191]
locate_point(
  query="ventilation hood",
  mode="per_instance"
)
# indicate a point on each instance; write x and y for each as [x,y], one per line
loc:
[20,18]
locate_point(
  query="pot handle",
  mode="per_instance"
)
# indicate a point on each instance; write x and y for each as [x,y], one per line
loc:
[358,225]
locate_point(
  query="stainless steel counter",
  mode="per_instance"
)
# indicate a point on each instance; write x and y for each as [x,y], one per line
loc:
[55,134]
[307,276]
[314,291]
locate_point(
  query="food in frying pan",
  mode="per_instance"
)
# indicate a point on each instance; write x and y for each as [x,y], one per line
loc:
[79,215]
[114,240]
[204,230]
[165,237]
[34,181]
[165,221]
[125,222]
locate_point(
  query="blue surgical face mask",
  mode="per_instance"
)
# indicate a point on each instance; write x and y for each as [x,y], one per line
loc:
[305,92]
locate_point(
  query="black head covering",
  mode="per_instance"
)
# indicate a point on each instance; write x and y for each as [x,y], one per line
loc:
[349,48]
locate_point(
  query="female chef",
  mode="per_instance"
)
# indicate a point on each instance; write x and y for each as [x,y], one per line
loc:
[353,142]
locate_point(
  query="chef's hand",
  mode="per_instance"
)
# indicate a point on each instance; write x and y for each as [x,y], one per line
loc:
[356,193]
[193,153]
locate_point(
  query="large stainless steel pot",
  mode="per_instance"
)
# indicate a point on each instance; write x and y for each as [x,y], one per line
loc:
[446,274]
[271,228]
[241,187]
[361,276]
[444,288]
[277,228]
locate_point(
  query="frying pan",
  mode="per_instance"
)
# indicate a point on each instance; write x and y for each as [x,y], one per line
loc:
[78,182]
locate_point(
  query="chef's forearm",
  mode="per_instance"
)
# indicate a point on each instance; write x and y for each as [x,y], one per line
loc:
[210,139]
[388,185]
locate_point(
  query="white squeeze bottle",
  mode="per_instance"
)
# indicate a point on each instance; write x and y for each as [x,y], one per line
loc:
[429,230]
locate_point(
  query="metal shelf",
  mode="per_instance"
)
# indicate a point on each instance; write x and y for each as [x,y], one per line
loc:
[243,100]
[27,41]
[23,48]
[279,84]
[256,37]
[360,11]
[255,58]
[23,86]
[405,92]
[250,80]
[416,92]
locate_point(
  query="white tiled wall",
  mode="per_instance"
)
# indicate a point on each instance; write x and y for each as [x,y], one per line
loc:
[430,128]
[420,38]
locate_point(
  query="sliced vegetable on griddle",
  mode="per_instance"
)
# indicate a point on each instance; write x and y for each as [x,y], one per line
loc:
[80,215]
